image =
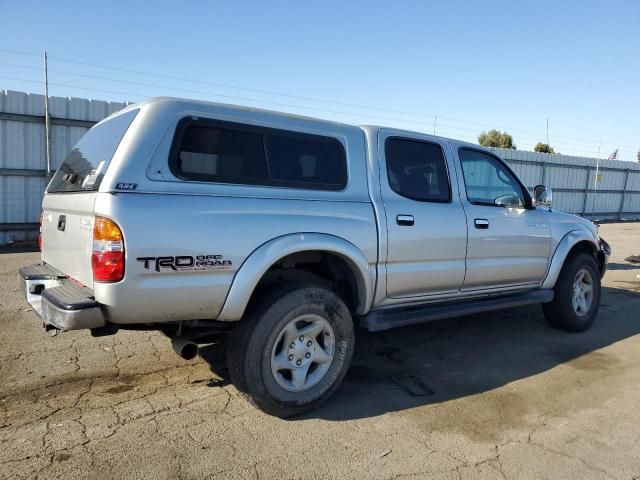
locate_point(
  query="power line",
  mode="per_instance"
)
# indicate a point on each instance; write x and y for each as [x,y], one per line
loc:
[224,85]
[200,92]
[445,130]
[445,127]
[351,114]
[231,97]
[300,107]
[300,97]
[75,86]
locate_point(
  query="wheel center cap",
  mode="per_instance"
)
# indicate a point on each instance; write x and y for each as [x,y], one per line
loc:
[300,352]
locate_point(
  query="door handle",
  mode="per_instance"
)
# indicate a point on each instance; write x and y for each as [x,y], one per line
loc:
[481,223]
[405,220]
[62,222]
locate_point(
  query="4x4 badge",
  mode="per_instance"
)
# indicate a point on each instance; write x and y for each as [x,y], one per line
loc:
[126,186]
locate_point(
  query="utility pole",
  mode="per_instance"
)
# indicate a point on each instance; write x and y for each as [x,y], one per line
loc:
[435,121]
[595,178]
[547,132]
[47,125]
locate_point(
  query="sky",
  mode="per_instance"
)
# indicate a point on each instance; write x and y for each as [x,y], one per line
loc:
[465,66]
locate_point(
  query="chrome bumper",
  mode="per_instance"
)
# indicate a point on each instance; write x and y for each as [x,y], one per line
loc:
[605,249]
[61,303]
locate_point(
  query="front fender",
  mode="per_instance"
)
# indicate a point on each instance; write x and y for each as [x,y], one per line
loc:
[565,245]
[257,264]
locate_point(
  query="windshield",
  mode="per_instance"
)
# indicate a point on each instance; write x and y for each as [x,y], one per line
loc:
[85,166]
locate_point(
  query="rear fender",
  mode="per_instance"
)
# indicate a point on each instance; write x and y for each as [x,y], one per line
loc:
[257,264]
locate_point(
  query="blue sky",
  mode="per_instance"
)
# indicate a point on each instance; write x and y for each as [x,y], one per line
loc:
[475,65]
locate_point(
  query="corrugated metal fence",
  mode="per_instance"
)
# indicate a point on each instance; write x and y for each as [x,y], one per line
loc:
[613,193]
[23,157]
[23,165]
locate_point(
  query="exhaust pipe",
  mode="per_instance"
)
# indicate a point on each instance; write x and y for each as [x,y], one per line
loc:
[185,348]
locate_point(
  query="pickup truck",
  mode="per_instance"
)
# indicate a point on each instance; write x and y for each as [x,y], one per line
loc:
[287,232]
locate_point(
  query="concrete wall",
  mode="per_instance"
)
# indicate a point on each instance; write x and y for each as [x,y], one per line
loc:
[23,165]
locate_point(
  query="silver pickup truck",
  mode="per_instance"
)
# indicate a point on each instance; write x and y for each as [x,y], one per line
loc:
[285,231]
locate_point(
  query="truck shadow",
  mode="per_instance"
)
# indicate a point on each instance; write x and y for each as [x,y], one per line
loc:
[441,361]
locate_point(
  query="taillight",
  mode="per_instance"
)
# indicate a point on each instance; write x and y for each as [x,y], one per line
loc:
[40,232]
[107,260]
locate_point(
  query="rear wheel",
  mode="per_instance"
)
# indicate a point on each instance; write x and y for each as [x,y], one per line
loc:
[292,350]
[577,295]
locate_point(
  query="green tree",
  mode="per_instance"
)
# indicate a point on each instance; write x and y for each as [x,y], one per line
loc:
[496,138]
[543,148]
[639,155]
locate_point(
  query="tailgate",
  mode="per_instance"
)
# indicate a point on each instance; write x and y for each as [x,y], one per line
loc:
[67,234]
[67,221]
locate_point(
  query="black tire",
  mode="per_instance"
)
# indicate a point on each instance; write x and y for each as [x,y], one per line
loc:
[251,345]
[560,312]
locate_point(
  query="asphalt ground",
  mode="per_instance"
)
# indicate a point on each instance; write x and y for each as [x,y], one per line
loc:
[496,395]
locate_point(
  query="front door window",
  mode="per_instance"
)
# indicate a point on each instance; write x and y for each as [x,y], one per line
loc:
[489,182]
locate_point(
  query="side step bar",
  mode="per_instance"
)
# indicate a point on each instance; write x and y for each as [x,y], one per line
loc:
[385,319]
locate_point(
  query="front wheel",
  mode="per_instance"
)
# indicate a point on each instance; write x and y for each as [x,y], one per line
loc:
[577,295]
[292,351]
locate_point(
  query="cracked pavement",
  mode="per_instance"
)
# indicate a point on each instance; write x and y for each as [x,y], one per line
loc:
[513,399]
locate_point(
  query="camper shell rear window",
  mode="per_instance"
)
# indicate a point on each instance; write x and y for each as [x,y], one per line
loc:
[85,166]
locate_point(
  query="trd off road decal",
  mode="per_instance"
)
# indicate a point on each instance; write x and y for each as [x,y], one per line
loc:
[186,263]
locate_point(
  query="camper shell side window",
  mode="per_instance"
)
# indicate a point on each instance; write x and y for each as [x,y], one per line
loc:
[207,150]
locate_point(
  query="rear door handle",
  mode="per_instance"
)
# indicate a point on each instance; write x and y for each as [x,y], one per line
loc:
[481,223]
[405,220]
[62,222]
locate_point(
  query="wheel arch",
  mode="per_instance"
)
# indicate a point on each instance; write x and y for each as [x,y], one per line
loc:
[261,260]
[573,242]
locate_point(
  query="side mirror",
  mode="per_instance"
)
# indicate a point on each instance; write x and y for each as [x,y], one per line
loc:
[542,196]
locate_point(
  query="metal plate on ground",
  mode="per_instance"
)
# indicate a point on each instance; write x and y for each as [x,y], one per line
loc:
[412,385]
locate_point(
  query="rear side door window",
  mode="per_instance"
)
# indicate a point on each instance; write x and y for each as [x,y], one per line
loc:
[417,170]
[225,152]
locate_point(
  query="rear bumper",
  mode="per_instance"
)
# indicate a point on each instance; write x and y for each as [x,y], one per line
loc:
[60,302]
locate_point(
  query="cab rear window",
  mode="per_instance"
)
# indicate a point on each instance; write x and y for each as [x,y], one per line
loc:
[85,166]
[225,152]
